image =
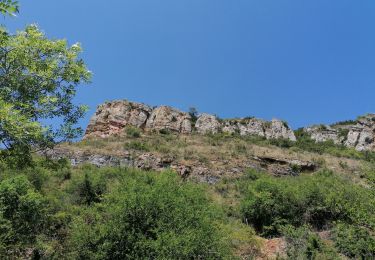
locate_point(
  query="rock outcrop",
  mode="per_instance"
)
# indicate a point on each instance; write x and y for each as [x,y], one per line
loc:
[276,129]
[168,118]
[112,117]
[207,123]
[358,134]
[279,129]
[323,133]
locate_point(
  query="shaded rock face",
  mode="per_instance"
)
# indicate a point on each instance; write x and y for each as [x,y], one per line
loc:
[169,118]
[207,123]
[359,135]
[110,118]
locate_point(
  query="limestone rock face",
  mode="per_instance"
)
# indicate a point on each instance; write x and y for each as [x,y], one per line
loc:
[253,126]
[359,134]
[230,127]
[207,123]
[279,129]
[169,118]
[111,117]
[323,133]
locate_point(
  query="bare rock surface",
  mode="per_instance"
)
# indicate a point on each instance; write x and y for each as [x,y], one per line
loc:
[207,123]
[279,129]
[276,129]
[323,133]
[111,117]
[358,134]
[168,118]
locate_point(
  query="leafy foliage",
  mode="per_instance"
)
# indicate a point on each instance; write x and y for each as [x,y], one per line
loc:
[22,214]
[154,217]
[9,7]
[317,200]
[38,79]
[355,241]
[304,244]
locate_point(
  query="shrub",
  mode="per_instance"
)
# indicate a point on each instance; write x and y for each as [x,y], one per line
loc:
[317,200]
[133,132]
[136,145]
[304,244]
[149,217]
[354,241]
[23,215]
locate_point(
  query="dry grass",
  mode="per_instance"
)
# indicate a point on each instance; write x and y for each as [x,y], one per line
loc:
[212,152]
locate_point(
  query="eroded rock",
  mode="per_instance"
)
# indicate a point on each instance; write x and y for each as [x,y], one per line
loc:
[111,118]
[358,134]
[207,123]
[279,129]
[168,118]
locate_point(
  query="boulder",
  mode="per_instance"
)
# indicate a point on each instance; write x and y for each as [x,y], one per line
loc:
[207,123]
[168,118]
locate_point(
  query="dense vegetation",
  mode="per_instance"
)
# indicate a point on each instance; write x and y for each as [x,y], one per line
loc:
[52,211]
[113,213]
[321,201]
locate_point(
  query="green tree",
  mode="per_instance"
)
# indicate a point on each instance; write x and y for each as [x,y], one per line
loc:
[9,7]
[38,81]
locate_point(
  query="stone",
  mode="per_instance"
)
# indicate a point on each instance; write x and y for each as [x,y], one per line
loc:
[358,134]
[279,129]
[230,127]
[207,123]
[365,141]
[323,133]
[112,117]
[252,126]
[168,118]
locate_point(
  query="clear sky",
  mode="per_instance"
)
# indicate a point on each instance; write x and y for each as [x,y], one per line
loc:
[305,61]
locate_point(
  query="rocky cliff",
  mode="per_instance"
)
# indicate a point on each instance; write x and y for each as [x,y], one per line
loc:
[358,134]
[112,117]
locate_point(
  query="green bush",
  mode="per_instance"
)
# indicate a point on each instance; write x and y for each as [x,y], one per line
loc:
[304,244]
[23,215]
[136,145]
[133,132]
[149,217]
[354,241]
[318,200]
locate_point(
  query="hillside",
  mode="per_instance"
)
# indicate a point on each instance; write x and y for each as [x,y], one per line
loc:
[295,195]
[159,183]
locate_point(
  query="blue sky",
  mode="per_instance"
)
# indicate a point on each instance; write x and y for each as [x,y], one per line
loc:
[303,61]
